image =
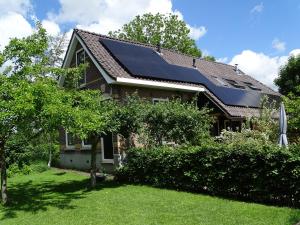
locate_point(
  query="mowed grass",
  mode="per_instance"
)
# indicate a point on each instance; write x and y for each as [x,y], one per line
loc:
[57,197]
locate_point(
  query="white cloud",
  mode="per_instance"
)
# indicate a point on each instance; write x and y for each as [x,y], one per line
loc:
[295,52]
[51,27]
[260,66]
[222,60]
[8,25]
[257,8]
[197,32]
[278,45]
[102,16]
[18,6]
[100,11]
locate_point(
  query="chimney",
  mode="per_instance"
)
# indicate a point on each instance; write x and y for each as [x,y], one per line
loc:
[236,69]
[158,47]
[194,62]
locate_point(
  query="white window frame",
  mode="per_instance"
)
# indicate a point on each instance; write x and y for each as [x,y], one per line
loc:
[84,146]
[160,100]
[84,57]
[68,147]
[103,150]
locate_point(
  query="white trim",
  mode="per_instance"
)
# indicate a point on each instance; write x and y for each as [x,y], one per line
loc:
[85,147]
[68,147]
[75,39]
[67,60]
[157,84]
[107,78]
[76,53]
[102,153]
[160,99]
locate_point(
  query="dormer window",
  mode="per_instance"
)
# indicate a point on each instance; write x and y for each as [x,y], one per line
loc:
[80,59]
[252,86]
[220,81]
[235,84]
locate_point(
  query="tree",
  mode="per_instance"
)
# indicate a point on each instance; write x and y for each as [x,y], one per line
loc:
[90,117]
[31,102]
[209,58]
[168,30]
[129,113]
[292,103]
[289,76]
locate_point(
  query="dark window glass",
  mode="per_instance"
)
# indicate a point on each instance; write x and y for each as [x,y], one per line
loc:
[87,141]
[108,146]
[70,139]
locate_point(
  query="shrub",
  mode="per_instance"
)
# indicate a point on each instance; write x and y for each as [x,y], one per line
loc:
[24,169]
[262,173]
[177,122]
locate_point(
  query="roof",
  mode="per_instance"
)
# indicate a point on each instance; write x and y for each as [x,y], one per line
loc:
[216,72]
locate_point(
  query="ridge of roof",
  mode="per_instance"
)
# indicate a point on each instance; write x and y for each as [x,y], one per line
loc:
[150,45]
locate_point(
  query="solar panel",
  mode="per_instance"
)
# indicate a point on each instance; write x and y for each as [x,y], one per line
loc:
[145,62]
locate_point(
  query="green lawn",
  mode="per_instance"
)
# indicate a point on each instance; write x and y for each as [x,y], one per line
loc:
[56,197]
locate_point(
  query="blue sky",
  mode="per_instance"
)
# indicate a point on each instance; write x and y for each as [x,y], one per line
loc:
[233,26]
[259,35]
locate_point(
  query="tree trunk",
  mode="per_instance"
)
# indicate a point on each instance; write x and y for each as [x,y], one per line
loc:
[50,157]
[95,141]
[50,151]
[3,175]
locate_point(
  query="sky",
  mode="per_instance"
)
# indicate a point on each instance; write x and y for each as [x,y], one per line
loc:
[257,35]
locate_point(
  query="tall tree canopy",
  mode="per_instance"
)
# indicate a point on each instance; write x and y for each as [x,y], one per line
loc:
[168,30]
[32,103]
[289,76]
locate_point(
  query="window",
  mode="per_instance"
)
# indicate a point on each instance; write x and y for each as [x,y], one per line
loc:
[86,143]
[252,86]
[70,141]
[220,81]
[157,100]
[80,59]
[235,84]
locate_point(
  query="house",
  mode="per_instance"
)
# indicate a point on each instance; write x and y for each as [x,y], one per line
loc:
[119,67]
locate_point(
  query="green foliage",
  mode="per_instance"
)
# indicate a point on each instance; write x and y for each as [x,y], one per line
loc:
[260,130]
[168,30]
[292,104]
[31,102]
[35,167]
[129,114]
[289,76]
[177,122]
[209,58]
[90,114]
[260,173]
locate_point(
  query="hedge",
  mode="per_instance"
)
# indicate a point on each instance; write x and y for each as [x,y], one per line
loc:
[265,174]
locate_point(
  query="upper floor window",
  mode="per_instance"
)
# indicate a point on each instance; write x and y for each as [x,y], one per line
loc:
[81,59]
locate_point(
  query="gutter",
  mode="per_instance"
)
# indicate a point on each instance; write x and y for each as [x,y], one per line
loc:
[157,84]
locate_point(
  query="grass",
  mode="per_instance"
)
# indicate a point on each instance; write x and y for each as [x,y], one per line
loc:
[61,198]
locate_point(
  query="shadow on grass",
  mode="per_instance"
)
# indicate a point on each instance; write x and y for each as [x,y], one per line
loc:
[38,196]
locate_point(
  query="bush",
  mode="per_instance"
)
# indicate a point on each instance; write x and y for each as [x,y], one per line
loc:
[24,169]
[176,122]
[262,173]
